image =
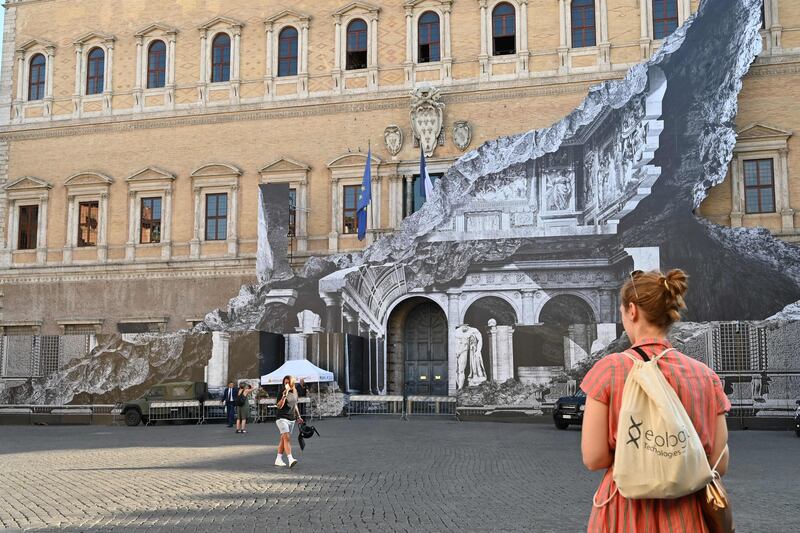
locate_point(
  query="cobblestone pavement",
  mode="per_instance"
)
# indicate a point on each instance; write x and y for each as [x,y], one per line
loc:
[363,474]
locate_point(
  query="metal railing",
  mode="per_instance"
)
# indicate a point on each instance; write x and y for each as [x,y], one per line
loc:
[375,405]
[431,405]
[182,410]
[62,414]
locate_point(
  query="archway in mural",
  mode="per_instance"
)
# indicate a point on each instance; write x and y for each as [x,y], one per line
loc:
[478,315]
[563,336]
[417,349]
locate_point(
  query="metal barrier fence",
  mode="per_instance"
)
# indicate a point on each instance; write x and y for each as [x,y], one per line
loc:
[61,414]
[186,410]
[431,405]
[375,405]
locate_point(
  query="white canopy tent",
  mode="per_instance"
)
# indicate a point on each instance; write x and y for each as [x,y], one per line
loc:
[300,369]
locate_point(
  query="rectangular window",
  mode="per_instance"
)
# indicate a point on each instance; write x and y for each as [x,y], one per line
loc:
[87,223]
[216,217]
[665,17]
[414,199]
[150,230]
[28,227]
[350,206]
[292,211]
[759,186]
[50,348]
[583,23]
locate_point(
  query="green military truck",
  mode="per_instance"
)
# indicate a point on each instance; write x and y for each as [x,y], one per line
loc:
[137,411]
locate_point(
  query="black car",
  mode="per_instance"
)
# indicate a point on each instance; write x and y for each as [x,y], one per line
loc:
[569,410]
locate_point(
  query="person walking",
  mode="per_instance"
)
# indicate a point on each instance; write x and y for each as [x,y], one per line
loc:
[229,398]
[651,303]
[286,415]
[243,407]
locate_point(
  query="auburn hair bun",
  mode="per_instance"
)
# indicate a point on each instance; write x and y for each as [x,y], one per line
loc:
[659,296]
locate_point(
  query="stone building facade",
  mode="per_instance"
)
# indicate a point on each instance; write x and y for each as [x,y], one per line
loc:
[132,141]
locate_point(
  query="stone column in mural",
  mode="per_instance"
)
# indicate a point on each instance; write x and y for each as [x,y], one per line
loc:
[297,343]
[501,351]
[217,368]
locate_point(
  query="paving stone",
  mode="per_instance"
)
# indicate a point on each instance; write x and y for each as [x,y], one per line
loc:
[365,474]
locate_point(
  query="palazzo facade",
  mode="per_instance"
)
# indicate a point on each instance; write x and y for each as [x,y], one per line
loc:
[132,141]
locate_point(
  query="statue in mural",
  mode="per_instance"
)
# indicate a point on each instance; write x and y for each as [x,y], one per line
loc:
[468,351]
[559,191]
[477,372]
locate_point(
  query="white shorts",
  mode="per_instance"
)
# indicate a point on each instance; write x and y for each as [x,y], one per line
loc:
[285,426]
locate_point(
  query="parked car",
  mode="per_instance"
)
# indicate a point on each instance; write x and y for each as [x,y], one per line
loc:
[797,420]
[136,411]
[569,410]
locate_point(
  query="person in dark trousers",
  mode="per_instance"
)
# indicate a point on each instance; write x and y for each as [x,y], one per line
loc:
[287,413]
[229,397]
[243,407]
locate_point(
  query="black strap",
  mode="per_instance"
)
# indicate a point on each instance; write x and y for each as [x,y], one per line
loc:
[641,352]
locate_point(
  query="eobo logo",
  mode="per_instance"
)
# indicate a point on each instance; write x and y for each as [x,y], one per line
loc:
[664,444]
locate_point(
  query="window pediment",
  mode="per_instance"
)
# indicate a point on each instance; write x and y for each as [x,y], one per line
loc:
[27,183]
[88,178]
[284,165]
[156,27]
[224,22]
[36,44]
[216,169]
[762,131]
[426,3]
[361,7]
[287,15]
[150,178]
[348,161]
[94,36]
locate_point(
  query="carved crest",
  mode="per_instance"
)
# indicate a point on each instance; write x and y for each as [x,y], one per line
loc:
[393,137]
[462,134]
[427,117]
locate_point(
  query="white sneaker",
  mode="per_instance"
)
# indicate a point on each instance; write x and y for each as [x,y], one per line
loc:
[279,462]
[292,463]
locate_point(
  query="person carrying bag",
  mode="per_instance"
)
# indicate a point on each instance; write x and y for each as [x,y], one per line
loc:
[655,419]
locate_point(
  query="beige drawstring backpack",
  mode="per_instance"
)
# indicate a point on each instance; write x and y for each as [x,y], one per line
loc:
[659,454]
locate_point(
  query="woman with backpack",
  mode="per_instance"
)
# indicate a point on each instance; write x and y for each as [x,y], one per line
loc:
[636,442]
[243,407]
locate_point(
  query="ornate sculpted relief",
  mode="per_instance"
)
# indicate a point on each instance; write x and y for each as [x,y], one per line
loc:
[427,117]
[462,134]
[393,137]
[559,190]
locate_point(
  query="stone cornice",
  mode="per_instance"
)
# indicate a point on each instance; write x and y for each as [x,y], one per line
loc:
[395,99]
[176,269]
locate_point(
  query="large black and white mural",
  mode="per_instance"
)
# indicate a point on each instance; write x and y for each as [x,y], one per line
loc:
[504,285]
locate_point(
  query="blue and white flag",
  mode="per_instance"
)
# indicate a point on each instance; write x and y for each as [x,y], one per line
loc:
[426,187]
[365,197]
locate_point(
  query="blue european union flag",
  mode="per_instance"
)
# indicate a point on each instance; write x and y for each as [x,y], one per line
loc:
[365,197]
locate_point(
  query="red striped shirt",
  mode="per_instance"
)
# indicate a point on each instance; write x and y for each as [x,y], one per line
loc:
[700,391]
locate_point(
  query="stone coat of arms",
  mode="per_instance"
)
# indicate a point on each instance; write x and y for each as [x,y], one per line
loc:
[462,134]
[393,137]
[426,117]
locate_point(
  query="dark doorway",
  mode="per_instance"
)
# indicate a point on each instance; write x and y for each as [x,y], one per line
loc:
[425,339]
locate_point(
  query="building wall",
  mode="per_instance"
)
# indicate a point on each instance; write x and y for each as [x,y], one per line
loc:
[256,119]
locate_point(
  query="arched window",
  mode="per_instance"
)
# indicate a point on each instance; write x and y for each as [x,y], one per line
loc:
[583,23]
[221,58]
[95,71]
[428,38]
[287,52]
[157,65]
[665,17]
[36,77]
[356,45]
[504,31]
